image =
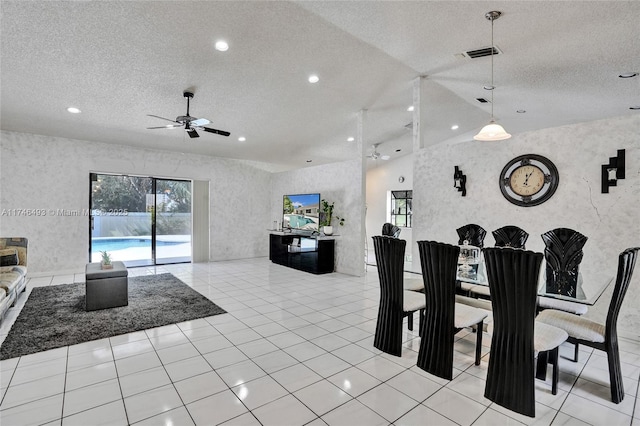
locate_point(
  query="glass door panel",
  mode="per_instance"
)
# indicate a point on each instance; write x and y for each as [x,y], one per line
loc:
[173,221]
[121,218]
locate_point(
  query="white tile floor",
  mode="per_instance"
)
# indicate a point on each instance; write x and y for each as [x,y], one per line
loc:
[294,349]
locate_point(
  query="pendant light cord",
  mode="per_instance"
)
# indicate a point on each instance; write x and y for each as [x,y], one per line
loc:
[493,88]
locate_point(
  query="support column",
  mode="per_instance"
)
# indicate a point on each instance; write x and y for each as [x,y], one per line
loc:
[361,148]
[419,112]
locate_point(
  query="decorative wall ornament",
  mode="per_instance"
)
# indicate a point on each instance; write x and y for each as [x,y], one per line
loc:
[460,181]
[613,171]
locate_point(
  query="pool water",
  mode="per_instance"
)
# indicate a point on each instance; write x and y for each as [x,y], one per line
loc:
[112,244]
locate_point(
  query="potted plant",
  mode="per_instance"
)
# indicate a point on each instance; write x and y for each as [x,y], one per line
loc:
[327,217]
[106,260]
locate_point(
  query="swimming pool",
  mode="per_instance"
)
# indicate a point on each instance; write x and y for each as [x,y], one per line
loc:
[112,244]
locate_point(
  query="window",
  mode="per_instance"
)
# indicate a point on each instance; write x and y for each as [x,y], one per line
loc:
[401,208]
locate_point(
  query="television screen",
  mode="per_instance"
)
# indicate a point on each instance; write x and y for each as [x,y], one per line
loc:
[301,211]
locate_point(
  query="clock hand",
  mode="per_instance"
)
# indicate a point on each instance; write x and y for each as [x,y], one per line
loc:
[526,179]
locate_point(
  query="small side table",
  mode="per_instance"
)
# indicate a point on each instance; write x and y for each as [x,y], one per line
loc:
[106,288]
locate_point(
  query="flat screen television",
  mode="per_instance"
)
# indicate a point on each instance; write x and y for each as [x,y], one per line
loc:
[301,211]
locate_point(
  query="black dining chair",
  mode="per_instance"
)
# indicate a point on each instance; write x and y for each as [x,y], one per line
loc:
[395,302]
[510,236]
[563,254]
[473,234]
[601,336]
[517,336]
[443,316]
[391,230]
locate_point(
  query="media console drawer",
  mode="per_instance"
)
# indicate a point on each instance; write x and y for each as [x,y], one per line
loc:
[307,254]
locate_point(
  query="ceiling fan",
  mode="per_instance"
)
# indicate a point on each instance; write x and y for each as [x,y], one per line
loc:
[375,155]
[190,124]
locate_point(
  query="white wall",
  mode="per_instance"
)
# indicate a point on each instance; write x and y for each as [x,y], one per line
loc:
[610,221]
[340,183]
[42,172]
[380,180]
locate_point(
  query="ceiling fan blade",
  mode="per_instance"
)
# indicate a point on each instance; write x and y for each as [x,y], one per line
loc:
[199,122]
[216,131]
[168,126]
[162,118]
[193,133]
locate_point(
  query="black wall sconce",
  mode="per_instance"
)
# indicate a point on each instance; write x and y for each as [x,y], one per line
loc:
[460,181]
[613,171]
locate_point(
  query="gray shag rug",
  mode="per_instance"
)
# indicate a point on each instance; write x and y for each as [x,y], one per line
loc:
[54,316]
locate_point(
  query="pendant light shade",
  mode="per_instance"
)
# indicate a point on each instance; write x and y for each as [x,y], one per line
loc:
[492,131]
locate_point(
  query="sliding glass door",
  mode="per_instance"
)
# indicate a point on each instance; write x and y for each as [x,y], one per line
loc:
[173,221]
[140,220]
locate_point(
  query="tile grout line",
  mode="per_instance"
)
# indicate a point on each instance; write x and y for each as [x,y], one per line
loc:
[115,366]
[64,387]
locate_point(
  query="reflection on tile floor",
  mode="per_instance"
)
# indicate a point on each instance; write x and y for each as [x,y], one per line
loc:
[293,349]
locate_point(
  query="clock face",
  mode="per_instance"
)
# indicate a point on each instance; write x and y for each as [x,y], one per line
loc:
[529,180]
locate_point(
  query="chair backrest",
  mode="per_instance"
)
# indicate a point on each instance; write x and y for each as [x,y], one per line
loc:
[390,264]
[473,234]
[391,230]
[510,236]
[626,265]
[513,279]
[563,254]
[439,262]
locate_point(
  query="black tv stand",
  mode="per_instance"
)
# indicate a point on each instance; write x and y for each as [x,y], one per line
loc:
[302,252]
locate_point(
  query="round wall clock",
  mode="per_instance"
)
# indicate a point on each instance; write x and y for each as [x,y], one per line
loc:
[529,180]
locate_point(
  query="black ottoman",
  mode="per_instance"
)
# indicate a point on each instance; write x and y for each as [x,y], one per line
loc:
[106,288]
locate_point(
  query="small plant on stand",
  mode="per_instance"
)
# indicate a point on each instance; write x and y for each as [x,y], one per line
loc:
[106,260]
[327,210]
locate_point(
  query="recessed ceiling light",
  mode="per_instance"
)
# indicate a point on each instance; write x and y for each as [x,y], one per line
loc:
[635,107]
[350,139]
[628,75]
[454,127]
[222,46]
[521,111]
[73,110]
[314,78]
[410,108]
[242,139]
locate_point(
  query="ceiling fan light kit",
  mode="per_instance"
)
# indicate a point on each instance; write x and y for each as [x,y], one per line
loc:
[492,131]
[191,124]
[375,155]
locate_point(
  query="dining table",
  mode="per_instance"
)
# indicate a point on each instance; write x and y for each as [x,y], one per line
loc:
[588,290]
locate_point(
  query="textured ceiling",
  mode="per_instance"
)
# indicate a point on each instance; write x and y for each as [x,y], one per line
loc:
[119,61]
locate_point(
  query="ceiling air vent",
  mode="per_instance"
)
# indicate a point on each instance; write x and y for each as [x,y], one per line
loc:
[481,53]
[482,100]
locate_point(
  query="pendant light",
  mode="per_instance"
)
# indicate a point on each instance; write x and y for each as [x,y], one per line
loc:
[492,131]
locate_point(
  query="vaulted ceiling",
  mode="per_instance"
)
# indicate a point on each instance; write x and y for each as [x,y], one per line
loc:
[118,61]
